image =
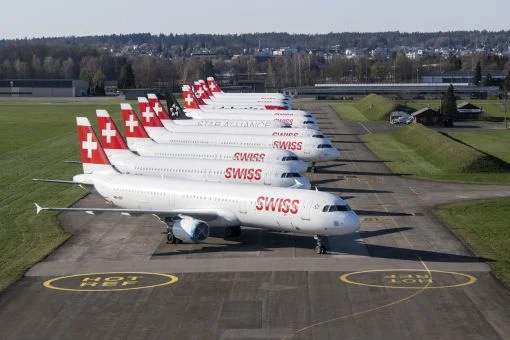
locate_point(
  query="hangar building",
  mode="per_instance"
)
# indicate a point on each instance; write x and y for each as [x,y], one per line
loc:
[43,88]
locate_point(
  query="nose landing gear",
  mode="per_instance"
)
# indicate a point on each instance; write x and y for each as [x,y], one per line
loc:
[312,168]
[321,248]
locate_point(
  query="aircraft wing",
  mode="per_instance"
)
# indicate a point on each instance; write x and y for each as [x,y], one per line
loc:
[202,214]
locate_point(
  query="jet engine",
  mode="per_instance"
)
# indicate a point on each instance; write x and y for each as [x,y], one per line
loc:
[191,230]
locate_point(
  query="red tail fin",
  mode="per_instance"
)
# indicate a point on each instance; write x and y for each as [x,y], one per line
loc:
[206,88]
[132,126]
[213,85]
[158,108]
[109,133]
[190,101]
[199,91]
[91,150]
[149,118]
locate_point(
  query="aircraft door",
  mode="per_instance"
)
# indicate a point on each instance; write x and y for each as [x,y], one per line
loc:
[243,206]
[307,147]
[268,175]
[171,201]
[305,212]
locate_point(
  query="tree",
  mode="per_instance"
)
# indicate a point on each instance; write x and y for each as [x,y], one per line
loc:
[208,70]
[477,78]
[448,106]
[127,77]
[98,81]
[505,88]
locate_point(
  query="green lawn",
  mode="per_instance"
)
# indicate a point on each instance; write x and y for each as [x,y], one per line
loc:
[496,143]
[423,153]
[483,226]
[348,112]
[36,138]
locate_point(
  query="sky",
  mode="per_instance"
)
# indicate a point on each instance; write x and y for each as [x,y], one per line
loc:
[35,18]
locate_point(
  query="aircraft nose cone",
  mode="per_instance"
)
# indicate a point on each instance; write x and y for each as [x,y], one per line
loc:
[352,222]
[300,167]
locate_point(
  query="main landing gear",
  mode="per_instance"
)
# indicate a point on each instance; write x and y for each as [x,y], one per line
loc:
[320,248]
[232,232]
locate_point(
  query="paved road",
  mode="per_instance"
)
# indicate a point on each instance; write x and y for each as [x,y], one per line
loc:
[403,276]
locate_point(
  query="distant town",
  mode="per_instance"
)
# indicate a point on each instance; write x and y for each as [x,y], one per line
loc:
[260,61]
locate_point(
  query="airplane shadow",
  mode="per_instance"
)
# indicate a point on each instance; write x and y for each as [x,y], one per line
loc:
[257,240]
[381,213]
[347,141]
[338,134]
[327,166]
[354,191]
[366,173]
[361,161]
[326,181]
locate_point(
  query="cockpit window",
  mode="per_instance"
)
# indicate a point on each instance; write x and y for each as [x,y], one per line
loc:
[289,158]
[332,208]
[324,146]
[307,122]
[318,136]
[308,115]
[286,127]
[290,175]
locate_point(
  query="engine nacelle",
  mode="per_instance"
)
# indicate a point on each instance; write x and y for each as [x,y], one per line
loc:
[190,230]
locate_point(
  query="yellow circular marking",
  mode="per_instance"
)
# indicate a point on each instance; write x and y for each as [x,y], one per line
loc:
[347,279]
[50,283]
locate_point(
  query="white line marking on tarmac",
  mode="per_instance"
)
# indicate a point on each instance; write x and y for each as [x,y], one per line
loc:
[364,127]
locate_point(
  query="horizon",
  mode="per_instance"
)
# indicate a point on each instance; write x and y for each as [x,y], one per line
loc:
[60,19]
[255,33]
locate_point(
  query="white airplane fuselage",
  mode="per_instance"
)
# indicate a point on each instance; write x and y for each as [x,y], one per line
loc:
[147,147]
[295,122]
[308,149]
[274,208]
[170,125]
[231,124]
[221,171]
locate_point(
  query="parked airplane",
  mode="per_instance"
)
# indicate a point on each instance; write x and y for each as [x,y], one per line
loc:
[215,88]
[197,114]
[189,97]
[307,149]
[177,112]
[146,109]
[190,208]
[194,109]
[125,161]
[139,141]
[237,103]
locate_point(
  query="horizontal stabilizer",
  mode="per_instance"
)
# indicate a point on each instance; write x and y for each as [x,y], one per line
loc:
[59,181]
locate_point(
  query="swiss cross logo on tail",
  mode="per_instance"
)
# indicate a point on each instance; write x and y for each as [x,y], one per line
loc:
[189,99]
[157,108]
[108,132]
[147,114]
[131,123]
[89,145]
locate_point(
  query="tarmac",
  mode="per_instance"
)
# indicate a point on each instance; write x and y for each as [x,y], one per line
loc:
[404,275]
